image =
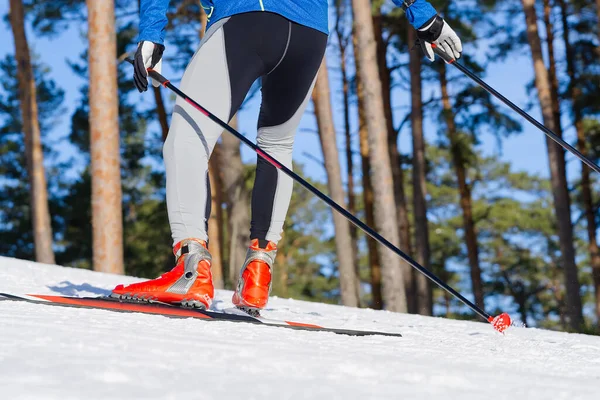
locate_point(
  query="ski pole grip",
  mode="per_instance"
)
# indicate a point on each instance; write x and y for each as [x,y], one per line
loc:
[153,74]
[158,77]
[442,54]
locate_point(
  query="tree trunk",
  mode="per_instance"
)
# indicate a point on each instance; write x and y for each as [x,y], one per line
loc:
[394,294]
[349,163]
[107,220]
[368,199]
[203,19]
[465,193]
[215,222]
[590,218]
[327,135]
[396,164]
[38,191]
[598,25]
[161,112]
[160,105]
[557,172]
[591,221]
[280,274]
[368,196]
[237,198]
[586,188]
[552,66]
[424,291]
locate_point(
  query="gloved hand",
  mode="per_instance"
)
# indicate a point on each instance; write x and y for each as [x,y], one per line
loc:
[148,55]
[438,32]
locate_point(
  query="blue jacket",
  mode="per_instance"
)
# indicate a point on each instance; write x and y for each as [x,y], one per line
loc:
[311,13]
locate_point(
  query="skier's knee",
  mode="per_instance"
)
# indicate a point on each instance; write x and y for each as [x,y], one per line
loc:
[275,142]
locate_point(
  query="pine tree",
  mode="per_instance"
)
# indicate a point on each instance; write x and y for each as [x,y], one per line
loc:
[16,235]
[344,37]
[367,185]
[394,294]
[574,93]
[40,214]
[237,198]
[104,143]
[327,136]
[423,286]
[557,171]
[411,280]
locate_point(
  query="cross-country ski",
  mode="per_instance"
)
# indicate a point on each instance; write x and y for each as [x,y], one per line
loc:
[167,310]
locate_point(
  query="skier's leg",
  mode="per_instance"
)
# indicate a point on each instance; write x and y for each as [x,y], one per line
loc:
[220,86]
[286,91]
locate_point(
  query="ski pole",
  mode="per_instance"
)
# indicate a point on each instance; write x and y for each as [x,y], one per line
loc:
[500,322]
[450,60]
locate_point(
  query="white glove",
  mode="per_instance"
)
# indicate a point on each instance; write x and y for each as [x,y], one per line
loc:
[438,32]
[148,55]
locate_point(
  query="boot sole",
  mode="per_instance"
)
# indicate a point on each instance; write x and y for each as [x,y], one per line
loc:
[253,312]
[185,303]
[193,304]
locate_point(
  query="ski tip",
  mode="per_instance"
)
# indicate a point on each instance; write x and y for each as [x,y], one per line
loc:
[500,323]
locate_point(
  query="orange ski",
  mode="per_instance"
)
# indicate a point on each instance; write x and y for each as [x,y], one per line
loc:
[167,310]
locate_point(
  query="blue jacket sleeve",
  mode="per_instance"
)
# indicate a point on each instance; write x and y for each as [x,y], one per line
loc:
[418,13]
[153,20]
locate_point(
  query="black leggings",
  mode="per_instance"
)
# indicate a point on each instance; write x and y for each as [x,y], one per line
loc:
[234,53]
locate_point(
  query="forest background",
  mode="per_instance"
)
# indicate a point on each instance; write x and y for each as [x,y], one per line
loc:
[490,229]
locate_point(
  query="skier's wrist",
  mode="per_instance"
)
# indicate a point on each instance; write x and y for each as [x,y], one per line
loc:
[418,12]
[405,3]
[145,37]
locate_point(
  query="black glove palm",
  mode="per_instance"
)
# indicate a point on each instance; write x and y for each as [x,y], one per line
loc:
[148,55]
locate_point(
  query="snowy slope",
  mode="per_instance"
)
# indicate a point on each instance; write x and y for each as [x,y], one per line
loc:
[66,353]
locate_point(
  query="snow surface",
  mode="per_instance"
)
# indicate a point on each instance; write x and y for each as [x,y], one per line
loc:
[68,353]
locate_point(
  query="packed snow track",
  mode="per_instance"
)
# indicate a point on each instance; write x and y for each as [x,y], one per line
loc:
[69,353]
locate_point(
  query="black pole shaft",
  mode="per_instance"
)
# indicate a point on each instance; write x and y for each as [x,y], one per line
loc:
[537,124]
[165,82]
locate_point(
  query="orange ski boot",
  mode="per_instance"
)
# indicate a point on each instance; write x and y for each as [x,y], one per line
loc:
[189,284]
[254,284]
